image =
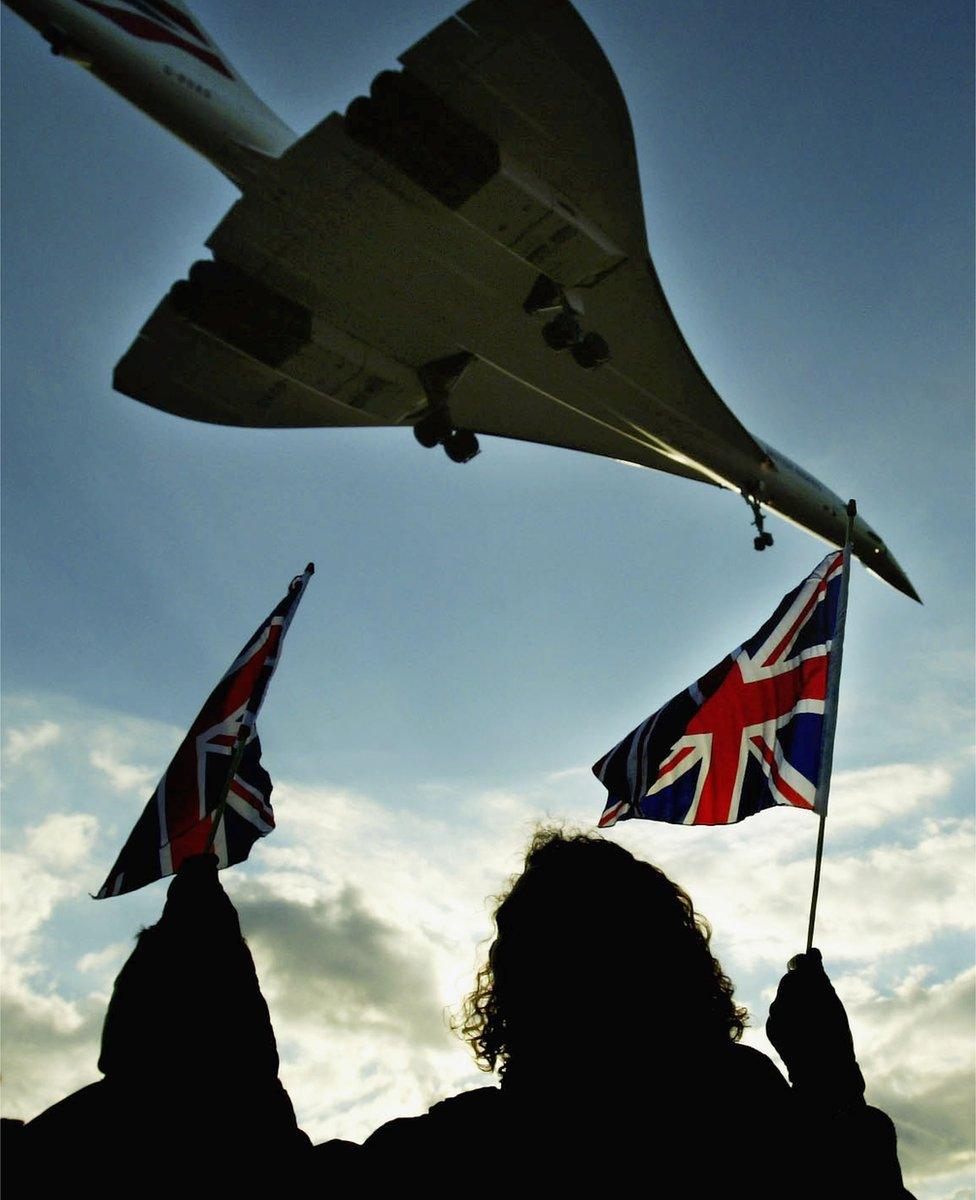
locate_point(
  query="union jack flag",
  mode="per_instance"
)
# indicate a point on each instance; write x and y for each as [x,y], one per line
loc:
[746,736]
[184,816]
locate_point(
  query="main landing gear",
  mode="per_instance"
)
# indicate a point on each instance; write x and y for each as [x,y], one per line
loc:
[762,538]
[563,330]
[435,427]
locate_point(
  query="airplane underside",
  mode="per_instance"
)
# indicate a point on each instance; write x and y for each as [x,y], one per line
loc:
[339,279]
[328,314]
[464,252]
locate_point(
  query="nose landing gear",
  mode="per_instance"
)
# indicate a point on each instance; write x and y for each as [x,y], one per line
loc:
[762,538]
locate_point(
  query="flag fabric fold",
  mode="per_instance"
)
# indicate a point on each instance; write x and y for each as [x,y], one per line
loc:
[746,736]
[184,813]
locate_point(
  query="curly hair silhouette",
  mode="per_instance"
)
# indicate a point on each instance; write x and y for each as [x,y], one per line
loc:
[590,942]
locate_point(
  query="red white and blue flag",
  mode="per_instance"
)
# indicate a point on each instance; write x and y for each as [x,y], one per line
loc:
[749,734]
[185,816]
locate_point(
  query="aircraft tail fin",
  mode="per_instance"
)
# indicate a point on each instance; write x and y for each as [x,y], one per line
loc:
[158,56]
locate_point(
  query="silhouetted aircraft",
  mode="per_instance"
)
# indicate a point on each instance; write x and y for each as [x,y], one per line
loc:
[463,252]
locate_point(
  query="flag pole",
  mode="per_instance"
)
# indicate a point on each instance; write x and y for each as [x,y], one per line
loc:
[235,761]
[830,715]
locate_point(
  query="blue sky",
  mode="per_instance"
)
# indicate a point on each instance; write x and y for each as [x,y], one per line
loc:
[476,636]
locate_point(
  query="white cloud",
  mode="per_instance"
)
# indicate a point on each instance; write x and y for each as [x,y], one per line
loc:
[878,896]
[38,875]
[917,1050]
[49,1049]
[49,1042]
[123,776]
[19,743]
[569,773]
[339,965]
[61,841]
[103,965]
[870,798]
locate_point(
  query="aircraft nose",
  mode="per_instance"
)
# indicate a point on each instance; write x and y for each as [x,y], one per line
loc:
[876,556]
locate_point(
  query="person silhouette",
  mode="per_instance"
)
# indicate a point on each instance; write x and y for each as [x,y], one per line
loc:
[190,1102]
[616,1038]
[612,1027]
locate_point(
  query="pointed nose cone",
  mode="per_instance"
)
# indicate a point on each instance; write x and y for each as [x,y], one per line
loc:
[891,572]
[878,559]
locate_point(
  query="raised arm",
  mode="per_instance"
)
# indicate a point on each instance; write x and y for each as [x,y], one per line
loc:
[853,1145]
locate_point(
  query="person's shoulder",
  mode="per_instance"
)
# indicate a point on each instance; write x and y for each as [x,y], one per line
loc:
[425,1143]
[475,1107]
[478,1102]
[445,1125]
[335,1160]
[750,1058]
[749,1067]
[77,1113]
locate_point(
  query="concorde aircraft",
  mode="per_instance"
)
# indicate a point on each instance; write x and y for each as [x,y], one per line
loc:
[462,251]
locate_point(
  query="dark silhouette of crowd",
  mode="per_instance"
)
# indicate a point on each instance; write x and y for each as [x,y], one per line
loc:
[611,1027]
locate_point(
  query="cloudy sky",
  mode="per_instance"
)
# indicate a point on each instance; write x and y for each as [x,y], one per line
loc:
[476,636]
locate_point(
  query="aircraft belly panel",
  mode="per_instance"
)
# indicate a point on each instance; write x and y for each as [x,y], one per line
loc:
[380,260]
[355,374]
[400,279]
[487,401]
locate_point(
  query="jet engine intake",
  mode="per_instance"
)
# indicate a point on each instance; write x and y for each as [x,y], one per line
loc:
[242,312]
[412,128]
[453,160]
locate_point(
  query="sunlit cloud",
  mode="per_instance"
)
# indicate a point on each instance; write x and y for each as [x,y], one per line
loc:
[123,776]
[917,1051]
[870,798]
[41,872]
[49,1042]
[20,743]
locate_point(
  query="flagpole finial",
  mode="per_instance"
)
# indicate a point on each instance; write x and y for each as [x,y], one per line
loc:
[300,580]
[852,509]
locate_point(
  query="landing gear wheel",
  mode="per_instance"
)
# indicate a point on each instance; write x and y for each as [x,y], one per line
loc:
[561,332]
[591,351]
[461,446]
[431,430]
[762,541]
